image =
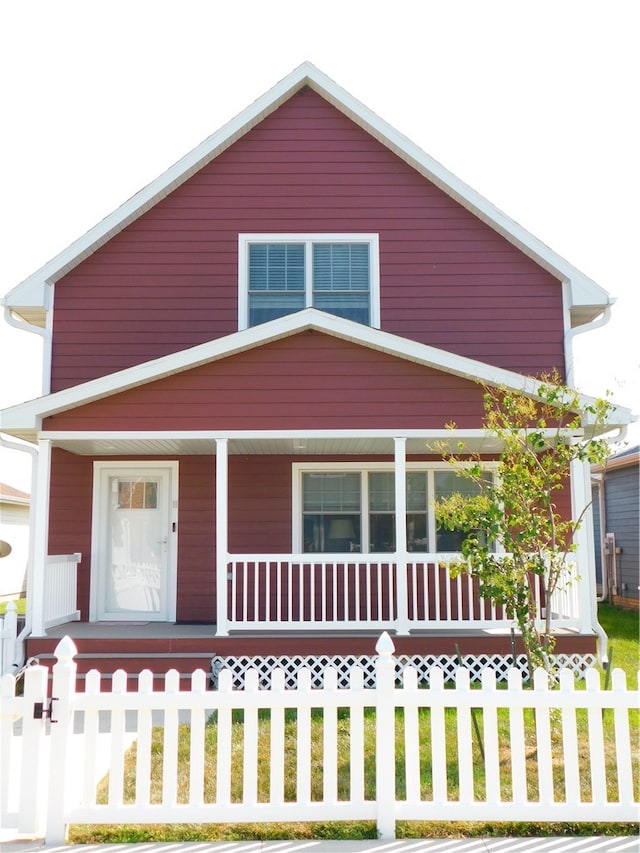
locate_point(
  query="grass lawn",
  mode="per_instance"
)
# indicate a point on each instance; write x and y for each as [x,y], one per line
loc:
[622,628]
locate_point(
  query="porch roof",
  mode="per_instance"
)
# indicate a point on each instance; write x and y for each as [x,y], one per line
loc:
[25,420]
[263,443]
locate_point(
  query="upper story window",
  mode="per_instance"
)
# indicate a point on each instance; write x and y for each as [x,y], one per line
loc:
[283,273]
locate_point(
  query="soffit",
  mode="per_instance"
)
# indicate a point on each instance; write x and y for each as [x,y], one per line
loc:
[352,445]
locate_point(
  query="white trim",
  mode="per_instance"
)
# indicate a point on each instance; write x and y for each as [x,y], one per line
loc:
[584,291]
[28,415]
[40,516]
[222,535]
[211,435]
[308,239]
[97,521]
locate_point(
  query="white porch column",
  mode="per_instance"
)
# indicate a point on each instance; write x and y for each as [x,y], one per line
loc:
[40,515]
[400,468]
[222,527]
[585,551]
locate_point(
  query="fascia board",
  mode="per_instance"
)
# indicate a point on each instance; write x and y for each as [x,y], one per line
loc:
[584,291]
[29,415]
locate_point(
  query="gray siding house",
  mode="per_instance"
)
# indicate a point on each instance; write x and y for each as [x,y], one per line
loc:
[616,509]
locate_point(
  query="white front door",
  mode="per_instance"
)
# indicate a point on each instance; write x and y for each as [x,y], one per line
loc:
[134,551]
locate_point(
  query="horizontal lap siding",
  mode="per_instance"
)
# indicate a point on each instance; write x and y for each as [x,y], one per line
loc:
[169,280]
[307,381]
[196,594]
[70,515]
[622,501]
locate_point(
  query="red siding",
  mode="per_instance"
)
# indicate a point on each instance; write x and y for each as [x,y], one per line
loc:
[196,599]
[169,280]
[301,382]
[70,515]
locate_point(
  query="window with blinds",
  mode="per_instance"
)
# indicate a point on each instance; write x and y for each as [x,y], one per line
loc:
[281,274]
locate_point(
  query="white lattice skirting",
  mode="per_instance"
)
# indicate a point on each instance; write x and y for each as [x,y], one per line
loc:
[291,664]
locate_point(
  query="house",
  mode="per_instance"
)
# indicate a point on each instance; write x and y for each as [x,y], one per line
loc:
[14,530]
[250,362]
[616,510]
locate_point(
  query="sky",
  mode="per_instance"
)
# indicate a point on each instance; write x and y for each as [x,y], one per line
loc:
[533,104]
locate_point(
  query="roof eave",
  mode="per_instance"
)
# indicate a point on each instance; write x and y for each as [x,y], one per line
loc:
[24,420]
[31,292]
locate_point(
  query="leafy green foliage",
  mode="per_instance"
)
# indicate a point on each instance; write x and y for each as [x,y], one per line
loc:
[519,509]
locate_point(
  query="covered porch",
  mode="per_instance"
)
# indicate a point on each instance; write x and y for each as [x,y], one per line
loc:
[409,589]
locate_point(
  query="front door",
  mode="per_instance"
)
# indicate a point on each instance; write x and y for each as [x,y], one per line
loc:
[134,574]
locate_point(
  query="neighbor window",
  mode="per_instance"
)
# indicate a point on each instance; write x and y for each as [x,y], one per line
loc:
[353,509]
[281,274]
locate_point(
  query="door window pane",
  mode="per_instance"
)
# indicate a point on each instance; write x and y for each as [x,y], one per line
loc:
[137,494]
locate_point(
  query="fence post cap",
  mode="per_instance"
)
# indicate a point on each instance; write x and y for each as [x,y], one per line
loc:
[385,645]
[66,649]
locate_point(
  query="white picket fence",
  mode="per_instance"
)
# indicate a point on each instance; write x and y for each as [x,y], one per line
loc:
[8,638]
[516,754]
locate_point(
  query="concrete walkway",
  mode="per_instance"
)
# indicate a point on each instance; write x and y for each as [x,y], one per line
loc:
[600,844]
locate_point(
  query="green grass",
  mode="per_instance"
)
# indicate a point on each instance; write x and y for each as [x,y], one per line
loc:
[622,628]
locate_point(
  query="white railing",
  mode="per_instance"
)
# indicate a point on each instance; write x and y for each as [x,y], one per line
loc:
[60,589]
[331,591]
[8,637]
[409,752]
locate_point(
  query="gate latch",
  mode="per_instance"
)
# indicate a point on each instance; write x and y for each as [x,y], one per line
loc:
[39,711]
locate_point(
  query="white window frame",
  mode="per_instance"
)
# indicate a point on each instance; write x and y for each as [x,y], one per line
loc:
[298,469]
[244,240]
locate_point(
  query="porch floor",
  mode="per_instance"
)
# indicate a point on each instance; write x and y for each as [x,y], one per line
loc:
[172,630]
[160,646]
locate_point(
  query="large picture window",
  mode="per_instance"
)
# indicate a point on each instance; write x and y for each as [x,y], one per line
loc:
[283,273]
[354,509]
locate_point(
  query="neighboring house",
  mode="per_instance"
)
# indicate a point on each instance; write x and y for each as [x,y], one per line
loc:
[250,363]
[616,511]
[14,529]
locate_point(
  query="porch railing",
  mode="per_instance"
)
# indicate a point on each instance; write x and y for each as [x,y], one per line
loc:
[331,592]
[60,589]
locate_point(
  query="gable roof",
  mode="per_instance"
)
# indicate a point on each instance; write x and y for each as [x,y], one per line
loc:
[30,299]
[25,420]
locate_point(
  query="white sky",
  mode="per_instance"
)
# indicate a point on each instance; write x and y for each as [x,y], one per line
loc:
[533,103]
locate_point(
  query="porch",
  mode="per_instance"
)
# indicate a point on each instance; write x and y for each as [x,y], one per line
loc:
[288,611]
[223,601]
